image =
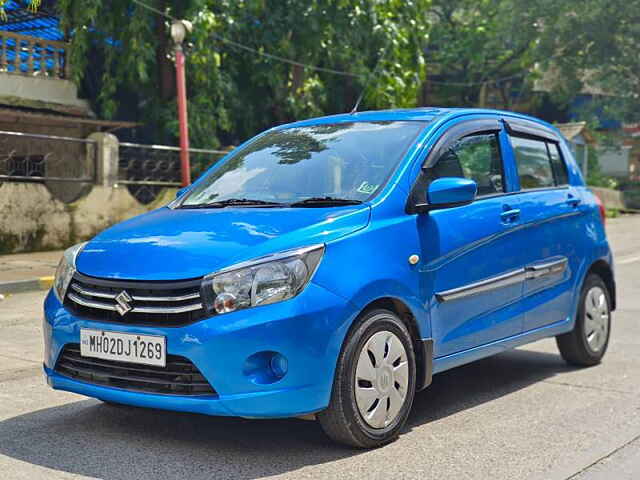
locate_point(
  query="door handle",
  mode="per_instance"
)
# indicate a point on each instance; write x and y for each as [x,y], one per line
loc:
[573,201]
[510,215]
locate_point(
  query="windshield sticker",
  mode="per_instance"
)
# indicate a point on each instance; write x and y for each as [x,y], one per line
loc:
[367,188]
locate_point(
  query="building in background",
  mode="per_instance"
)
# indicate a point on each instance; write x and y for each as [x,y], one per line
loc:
[579,141]
[36,92]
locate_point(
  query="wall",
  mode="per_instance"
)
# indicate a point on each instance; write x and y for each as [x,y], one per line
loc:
[610,198]
[33,91]
[59,191]
[32,219]
[614,161]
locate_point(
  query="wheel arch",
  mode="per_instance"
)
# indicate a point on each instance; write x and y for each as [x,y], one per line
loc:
[423,348]
[605,272]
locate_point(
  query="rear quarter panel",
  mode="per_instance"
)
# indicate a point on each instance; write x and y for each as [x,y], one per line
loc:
[591,230]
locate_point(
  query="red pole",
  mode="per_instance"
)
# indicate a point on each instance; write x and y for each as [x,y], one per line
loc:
[182,117]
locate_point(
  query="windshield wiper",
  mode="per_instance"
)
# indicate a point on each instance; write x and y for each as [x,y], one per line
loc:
[230,202]
[325,202]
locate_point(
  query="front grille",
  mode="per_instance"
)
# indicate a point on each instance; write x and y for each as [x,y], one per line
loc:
[179,377]
[150,303]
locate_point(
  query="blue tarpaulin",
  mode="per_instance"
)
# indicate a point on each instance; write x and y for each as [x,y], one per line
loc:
[26,56]
[42,23]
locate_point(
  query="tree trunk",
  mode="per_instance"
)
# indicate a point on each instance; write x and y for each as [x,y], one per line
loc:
[482,97]
[423,95]
[297,78]
[165,68]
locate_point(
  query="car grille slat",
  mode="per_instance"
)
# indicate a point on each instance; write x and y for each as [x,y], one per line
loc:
[179,377]
[99,364]
[149,303]
[92,293]
[87,292]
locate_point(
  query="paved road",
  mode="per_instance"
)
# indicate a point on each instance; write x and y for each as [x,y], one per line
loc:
[520,414]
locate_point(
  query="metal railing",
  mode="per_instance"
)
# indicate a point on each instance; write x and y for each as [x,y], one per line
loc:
[33,157]
[25,55]
[146,169]
[66,165]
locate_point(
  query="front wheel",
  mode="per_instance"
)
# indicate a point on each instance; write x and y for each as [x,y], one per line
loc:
[374,383]
[587,343]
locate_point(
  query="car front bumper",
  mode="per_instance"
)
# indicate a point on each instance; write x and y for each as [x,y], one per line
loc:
[308,330]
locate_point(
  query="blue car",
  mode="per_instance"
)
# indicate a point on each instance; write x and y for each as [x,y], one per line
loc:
[328,268]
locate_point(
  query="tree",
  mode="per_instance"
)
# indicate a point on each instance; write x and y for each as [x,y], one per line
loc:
[482,47]
[119,54]
[593,46]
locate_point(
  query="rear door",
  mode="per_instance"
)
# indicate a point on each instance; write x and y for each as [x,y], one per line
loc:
[473,274]
[550,210]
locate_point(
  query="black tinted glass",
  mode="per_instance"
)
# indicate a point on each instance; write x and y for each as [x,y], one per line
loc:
[558,165]
[476,157]
[532,161]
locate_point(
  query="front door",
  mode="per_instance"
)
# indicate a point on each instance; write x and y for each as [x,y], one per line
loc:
[473,274]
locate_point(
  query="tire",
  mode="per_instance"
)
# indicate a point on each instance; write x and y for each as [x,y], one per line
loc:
[376,368]
[587,343]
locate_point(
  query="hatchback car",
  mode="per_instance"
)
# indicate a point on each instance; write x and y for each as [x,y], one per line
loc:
[328,268]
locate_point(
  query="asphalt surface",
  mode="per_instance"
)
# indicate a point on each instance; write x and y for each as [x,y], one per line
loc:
[520,414]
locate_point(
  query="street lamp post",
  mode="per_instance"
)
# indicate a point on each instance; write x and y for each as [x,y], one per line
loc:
[179,29]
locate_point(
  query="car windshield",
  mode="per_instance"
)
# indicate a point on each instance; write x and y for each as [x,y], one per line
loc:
[314,165]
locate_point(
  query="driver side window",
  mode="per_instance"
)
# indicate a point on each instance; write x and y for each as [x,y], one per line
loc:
[476,157]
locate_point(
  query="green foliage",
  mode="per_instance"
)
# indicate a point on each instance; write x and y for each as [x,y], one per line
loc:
[593,45]
[612,212]
[234,93]
[120,49]
[472,43]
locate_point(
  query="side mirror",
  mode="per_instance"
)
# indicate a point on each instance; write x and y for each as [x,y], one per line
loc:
[450,192]
[181,191]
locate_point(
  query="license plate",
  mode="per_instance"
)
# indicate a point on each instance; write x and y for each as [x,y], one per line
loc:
[123,347]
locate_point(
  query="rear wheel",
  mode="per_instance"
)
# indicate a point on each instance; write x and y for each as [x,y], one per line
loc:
[374,383]
[587,343]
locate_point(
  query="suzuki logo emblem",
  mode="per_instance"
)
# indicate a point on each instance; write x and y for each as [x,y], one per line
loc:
[123,300]
[384,381]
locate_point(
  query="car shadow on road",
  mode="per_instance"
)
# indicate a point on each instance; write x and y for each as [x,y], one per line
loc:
[97,440]
[482,381]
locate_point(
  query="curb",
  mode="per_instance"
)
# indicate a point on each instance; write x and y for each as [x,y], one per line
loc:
[34,284]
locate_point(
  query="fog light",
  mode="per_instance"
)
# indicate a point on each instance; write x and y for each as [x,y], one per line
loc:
[265,367]
[279,365]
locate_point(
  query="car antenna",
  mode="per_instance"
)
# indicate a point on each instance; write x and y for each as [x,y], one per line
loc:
[354,110]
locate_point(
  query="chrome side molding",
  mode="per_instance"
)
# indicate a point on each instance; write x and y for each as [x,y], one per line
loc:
[483,286]
[552,267]
[530,272]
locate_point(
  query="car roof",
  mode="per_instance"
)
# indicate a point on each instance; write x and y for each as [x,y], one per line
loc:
[426,114]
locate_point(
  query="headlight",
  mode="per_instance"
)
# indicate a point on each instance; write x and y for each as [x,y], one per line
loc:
[66,269]
[269,279]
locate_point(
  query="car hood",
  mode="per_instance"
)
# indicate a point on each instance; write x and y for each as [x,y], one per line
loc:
[168,244]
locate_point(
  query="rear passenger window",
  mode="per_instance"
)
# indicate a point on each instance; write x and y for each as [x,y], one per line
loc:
[476,157]
[534,165]
[558,165]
